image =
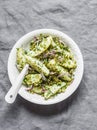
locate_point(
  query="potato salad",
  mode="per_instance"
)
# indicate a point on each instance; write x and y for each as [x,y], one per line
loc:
[51,65]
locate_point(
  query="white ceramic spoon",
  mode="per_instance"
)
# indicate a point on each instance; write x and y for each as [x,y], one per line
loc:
[13,91]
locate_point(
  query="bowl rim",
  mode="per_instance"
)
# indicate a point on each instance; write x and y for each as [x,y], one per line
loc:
[38,31]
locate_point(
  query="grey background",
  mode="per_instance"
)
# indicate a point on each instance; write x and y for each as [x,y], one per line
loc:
[77,18]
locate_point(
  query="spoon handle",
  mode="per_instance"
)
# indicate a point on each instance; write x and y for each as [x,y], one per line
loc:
[13,91]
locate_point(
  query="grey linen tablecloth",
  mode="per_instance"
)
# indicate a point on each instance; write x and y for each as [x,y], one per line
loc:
[78,19]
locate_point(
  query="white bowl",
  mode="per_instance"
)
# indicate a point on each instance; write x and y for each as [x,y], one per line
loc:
[34,98]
